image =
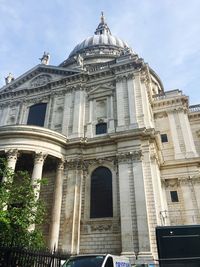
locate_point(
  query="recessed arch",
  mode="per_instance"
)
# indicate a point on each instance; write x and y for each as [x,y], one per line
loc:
[101,199]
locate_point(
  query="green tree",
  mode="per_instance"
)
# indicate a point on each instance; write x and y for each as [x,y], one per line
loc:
[20,209]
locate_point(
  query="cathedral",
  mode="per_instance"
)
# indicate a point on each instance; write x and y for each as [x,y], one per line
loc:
[121,154]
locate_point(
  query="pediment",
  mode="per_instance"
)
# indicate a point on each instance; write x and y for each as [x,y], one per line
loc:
[101,90]
[36,77]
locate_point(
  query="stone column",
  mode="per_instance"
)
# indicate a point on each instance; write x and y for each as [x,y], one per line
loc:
[56,210]
[120,103]
[11,155]
[177,150]
[37,172]
[12,158]
[126,216]
[36,177]
[131,101]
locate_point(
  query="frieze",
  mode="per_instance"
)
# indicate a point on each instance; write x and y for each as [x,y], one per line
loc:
[36,100]
[110,85]
[40,80]
[100,161]
[75,164]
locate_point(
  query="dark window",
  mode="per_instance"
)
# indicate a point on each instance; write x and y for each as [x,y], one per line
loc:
[101,128]
[36,114]
[164,138]
[101,203]
[174,196]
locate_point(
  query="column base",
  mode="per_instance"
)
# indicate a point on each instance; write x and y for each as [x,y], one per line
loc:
[144,257]
[89,132]
[133,126]
[130,255]
[179,156]
[191,154]
[120,128]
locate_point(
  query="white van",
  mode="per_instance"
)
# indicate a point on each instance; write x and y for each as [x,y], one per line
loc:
[97,260]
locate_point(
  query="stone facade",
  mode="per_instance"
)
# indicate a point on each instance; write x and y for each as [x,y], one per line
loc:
[151,147]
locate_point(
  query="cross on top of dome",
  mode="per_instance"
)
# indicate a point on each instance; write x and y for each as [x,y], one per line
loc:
[102,27]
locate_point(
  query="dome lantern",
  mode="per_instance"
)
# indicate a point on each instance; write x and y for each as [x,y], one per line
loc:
[102,27]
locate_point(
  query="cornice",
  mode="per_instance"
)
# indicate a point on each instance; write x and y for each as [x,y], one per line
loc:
[178,163]
[32,131]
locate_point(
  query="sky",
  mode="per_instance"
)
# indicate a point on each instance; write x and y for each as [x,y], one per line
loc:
[166,33]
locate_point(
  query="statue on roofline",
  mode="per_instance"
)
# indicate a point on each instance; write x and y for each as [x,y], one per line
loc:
[9,78]
[79,61]
[45,58]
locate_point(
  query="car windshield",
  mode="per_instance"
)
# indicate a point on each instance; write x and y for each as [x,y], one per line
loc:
[85,261]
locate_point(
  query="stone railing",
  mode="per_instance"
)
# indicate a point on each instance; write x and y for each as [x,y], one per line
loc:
[194,108]
[159,96]
[98,67]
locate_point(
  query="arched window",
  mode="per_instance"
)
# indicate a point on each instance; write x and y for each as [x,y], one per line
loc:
[101,203]
[36,114]
[101,128]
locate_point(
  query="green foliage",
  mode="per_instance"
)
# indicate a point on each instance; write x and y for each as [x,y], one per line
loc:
[20,209]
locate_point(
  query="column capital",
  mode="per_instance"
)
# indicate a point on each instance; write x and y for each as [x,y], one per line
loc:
[39,157]
[126,156]
[12,154]
[60,165]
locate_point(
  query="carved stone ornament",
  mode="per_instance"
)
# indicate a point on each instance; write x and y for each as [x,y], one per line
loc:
[131,155]
[41,80]
[12,154]
[172,182]
[130,75]
[99,161]
[100,227]
[39,157]
[76,164]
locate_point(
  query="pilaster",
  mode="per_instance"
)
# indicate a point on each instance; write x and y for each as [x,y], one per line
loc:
[89,133]
[187,135]
[66,114]
[56,210]
[120,103]
[72,209]
[177,150]
[131,101]
[144,254]
[78,114]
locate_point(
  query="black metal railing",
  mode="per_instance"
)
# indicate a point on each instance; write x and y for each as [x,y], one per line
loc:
[22,257]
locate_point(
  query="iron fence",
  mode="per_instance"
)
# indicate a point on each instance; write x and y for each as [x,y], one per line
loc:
[20,257]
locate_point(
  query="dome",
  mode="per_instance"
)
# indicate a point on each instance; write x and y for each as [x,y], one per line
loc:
[98,40]
[102,46]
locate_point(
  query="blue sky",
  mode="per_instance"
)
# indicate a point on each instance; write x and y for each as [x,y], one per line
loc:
[166,33]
